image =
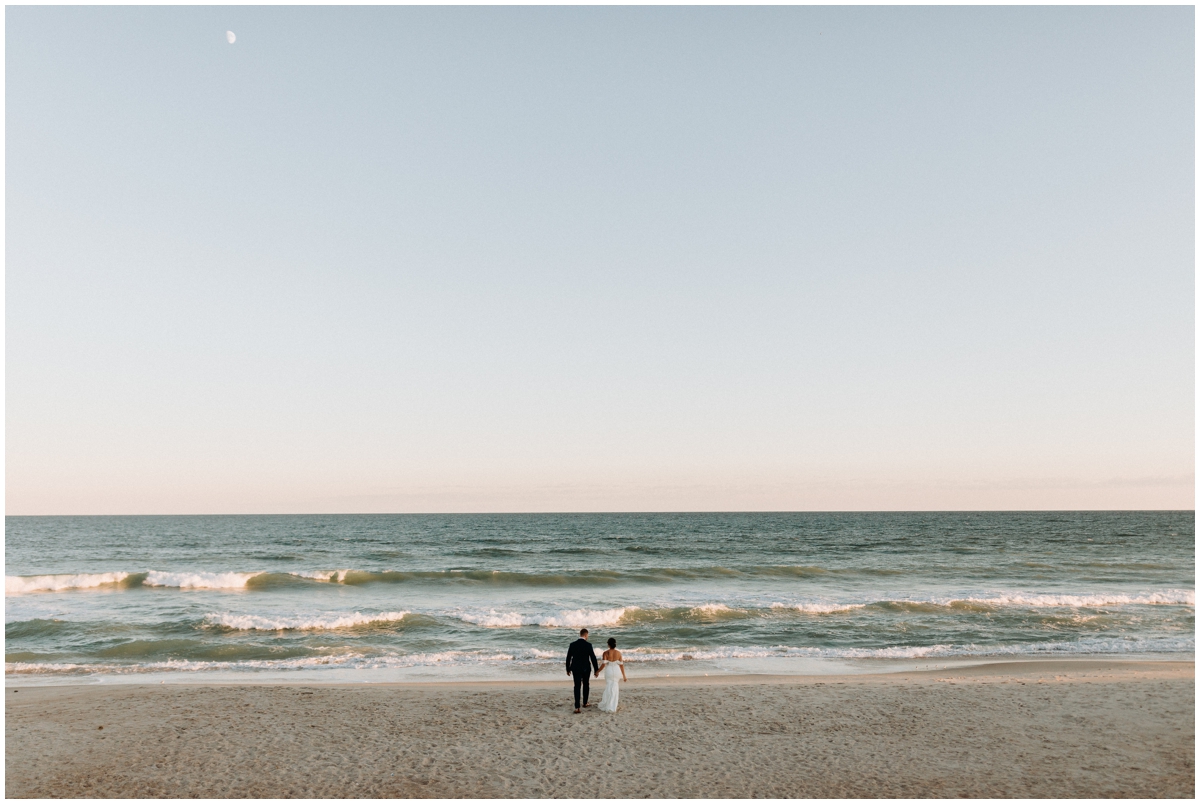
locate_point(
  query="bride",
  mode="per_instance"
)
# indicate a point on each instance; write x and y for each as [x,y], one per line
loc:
[612,663]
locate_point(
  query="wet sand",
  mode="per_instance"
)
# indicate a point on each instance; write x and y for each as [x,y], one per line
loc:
[1042,729]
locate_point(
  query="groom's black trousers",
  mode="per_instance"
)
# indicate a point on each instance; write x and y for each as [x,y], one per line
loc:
[581,680]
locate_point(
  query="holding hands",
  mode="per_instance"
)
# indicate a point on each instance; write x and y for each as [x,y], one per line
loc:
[581,657]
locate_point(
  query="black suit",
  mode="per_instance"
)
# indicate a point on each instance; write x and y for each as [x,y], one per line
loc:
[581,661]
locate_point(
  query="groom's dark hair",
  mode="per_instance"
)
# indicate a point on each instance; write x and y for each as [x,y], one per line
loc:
[583,632]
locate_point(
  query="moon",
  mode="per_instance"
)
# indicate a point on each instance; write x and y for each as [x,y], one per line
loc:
[231,36]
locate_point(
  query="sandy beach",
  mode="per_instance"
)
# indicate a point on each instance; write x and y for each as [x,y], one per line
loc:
[1026,729]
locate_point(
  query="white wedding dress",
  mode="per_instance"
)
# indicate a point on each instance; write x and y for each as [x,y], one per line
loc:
[612,686]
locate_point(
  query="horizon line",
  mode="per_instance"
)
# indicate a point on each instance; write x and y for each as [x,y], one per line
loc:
[644,513]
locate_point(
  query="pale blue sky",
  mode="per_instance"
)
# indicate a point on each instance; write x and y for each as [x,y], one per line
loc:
[453,259]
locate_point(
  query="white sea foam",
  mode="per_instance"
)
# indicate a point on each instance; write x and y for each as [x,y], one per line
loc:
[320,622]
[352,661]
[536,657]
[1168,597]
[1183,644]
[578,618]
[316,575]
[199,580]
[333,576]
[710,609]
[24,584]
[818,608]
[495,619]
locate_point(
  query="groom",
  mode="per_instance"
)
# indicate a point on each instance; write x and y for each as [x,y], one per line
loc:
[581,660]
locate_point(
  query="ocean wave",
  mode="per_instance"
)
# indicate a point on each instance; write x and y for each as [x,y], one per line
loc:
[578,618]
[818,608]
[331,576]
[353,661]
[1027,600]
[639,655]
[325,622]
[486,577]
[722,607]
[1168,597]
[23,585]
[937,604]
[587,577]
[1092,646]
[199,580]
[716,611]
[633,657]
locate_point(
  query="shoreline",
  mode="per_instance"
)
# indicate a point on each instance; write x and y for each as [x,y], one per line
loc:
[965,665]
[1040,728]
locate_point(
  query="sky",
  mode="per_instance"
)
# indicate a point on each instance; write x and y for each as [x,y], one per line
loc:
[436,259]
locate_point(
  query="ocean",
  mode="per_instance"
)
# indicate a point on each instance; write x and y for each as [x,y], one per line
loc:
[424,597]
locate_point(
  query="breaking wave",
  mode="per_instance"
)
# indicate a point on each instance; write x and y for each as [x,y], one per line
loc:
[22,585]
[578,618]
[818,608]
[1168,597]
[464,659]
[985,603]
[326,622]
[354,661]
[26,584]
[200,580]
[353,577]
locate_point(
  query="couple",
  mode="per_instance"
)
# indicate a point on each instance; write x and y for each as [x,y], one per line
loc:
[581,658]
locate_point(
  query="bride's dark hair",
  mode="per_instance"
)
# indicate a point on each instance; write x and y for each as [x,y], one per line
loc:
[612,643]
